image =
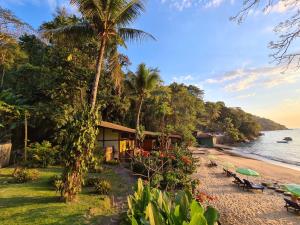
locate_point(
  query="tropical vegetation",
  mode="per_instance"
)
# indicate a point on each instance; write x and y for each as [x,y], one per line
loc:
[59,82]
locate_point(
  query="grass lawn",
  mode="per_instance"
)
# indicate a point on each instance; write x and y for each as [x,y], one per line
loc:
[37,203]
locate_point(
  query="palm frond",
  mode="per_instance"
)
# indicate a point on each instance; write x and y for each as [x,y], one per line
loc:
[90,9]
[129,12]
[152,80]
[70,32]
[131,34]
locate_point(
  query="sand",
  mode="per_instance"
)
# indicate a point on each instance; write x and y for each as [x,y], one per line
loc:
[239,207]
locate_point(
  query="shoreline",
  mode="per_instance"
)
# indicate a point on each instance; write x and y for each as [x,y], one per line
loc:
[237,206]
[232,150]
[269,170]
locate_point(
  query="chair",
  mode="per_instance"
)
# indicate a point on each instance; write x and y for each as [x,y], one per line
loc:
[293,205]
[238,181]
[227,172]
[251,186]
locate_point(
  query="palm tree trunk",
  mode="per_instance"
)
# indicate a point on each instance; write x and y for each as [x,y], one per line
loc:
[100,60]
[139,112]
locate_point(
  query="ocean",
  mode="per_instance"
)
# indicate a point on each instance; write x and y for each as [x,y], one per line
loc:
[266,148]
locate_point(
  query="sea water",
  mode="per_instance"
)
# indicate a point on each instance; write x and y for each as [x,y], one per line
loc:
[267,148]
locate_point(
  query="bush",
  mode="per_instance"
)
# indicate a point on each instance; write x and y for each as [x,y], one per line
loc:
[91,181]
[53,179]
[112,162]
[23,175]
[103,187]
[156,179]
[41,154]
[56,182]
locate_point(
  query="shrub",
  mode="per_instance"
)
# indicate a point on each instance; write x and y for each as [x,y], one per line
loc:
[91,181]
[53,179]
[41,154]
[156,179]
[103,187]
[56,182]
[112,162]
[23,175]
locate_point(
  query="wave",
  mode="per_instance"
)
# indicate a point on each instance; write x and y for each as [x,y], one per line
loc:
[291,162]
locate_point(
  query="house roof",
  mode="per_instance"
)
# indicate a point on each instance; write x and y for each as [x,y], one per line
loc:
[114,126]
[205,135]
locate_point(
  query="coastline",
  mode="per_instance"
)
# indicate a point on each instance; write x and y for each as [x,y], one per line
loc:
[236,205]
[268,169]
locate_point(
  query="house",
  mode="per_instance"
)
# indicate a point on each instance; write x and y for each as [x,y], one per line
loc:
[118,140]
[206,139]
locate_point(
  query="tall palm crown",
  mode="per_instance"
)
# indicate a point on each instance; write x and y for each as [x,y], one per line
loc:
[141,83]
[107,21]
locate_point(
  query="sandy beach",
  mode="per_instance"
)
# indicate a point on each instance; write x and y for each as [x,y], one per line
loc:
[239,207]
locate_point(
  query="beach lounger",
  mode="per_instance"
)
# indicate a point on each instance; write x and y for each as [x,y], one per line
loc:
[226,172]
[251,186]
[293,205]
[238,181]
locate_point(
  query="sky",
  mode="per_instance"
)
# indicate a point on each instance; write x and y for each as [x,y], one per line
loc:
[198,44]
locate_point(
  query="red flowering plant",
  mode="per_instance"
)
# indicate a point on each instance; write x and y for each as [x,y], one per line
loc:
[183,160]
[203,197]
[144,153]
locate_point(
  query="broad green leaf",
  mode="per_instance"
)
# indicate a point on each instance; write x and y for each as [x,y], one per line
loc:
[198,219]
[182,200]
[196,208]
[133,221]
[212,215]
[153,215]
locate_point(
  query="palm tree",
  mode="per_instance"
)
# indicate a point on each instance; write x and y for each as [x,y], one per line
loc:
[106,21]
[141,83]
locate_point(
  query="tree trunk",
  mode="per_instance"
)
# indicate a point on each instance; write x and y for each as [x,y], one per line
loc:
[25,136]
[2,77]
[100,60]
[139,112]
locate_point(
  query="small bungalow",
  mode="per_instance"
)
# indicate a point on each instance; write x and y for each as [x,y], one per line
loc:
[118,140]
[206,139]
[115,139]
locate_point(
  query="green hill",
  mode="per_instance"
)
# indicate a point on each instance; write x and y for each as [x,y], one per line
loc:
[269,125]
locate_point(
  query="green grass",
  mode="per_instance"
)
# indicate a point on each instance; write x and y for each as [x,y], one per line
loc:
[37,203]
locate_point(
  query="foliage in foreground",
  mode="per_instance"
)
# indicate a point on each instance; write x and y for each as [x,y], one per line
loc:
[152,206]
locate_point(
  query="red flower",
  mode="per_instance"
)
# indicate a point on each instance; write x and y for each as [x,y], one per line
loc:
[145,154]
[186,160]
[203,197]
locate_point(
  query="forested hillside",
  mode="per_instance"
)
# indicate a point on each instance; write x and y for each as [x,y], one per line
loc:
[269,125]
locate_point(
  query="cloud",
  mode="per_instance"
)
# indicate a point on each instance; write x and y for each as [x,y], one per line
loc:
[183,79]
[267,77]
[213,3]
[282,6]
[245,96]
[185,4]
